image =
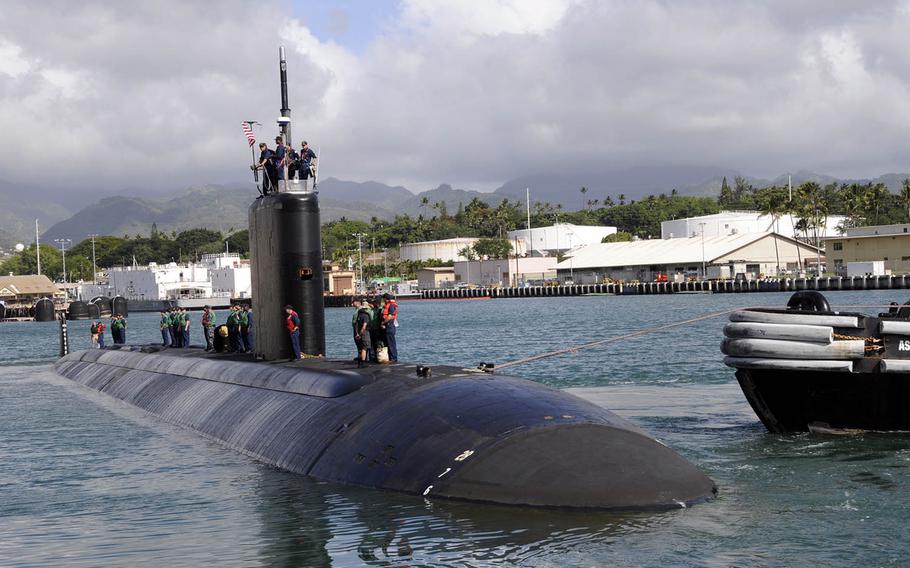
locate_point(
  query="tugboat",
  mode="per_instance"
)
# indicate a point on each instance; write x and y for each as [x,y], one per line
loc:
[808,368]
[446,432]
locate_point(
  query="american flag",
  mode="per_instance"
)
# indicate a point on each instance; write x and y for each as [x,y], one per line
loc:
[248,130]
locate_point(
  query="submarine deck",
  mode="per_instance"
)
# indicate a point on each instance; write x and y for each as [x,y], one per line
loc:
[460,433]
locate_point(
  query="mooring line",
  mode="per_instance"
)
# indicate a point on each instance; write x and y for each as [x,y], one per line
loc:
[641,332]
[615,338]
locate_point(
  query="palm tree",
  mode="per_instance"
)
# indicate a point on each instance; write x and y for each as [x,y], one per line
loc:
[773,202]
[905,196]
[583,190]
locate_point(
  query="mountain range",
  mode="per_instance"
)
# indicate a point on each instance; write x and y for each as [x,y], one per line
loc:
[224,207]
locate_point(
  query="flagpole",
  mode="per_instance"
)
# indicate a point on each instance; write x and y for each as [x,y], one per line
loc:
[318,162]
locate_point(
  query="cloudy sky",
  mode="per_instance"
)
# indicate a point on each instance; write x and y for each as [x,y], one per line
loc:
[113,95]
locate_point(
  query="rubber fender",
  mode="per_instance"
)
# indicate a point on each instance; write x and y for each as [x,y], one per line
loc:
[809,301]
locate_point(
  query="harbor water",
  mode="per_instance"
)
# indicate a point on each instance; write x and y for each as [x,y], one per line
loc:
[86,480]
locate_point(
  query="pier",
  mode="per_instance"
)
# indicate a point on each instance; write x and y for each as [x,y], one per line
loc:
[823,283]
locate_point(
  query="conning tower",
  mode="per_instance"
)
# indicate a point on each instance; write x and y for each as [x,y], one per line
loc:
[286,260]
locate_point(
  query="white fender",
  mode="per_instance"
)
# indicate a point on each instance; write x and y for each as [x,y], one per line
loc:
[788,364]
[787,332]
[895,365]
[777,349]
[895,327]
[798,319]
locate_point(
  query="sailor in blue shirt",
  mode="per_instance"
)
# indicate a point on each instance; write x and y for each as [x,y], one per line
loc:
[307,155]
[278,158]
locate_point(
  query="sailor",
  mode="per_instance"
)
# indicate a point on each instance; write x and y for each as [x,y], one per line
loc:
[293,326]
[175,328]
[118,329]
[186,328]
[374,305]
[268,167]
[101,328]
[362,334]
[390,324]
[279,161]
[233,326]
[243,328]
[307,163]
[208,327]
[247,335]
[356,303]
[94,332]
[165,325]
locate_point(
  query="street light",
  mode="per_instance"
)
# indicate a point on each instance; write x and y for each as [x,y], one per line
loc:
[360,256]
[94,264]
[63,243]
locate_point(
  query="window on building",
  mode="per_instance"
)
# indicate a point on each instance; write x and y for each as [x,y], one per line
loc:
[838,246]
[905,258]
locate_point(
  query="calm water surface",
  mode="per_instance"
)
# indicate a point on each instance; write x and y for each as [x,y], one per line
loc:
[86,480]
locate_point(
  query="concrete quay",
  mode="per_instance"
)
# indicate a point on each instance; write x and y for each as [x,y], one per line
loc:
[823,283]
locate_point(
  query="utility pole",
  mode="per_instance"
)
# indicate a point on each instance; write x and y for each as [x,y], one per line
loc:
[360,257]
[385,263]
[37,248]
[63,243]
[530,234]
[94,264]
[704,276]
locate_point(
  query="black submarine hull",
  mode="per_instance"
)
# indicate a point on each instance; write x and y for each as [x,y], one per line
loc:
[460,434]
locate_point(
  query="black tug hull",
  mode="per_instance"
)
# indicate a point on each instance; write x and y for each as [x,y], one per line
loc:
[459,434]
[794,401]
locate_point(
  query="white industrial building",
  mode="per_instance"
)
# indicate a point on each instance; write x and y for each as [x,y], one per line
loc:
[729,223]
[217,276]
[548,241]
[446,250]
[506,271]
[750,254]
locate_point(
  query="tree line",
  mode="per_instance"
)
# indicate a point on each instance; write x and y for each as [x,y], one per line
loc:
[810,204]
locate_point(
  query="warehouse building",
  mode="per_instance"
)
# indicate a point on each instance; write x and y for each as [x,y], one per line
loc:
[23,290]
[751,254]
[888,243]
[729,223]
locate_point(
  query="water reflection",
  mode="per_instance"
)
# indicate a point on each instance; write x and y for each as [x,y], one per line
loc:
[310,523]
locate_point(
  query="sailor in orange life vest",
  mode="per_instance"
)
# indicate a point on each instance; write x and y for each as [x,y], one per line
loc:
[390,324]
[293,325]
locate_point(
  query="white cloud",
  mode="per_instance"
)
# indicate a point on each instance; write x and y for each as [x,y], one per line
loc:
[472,93]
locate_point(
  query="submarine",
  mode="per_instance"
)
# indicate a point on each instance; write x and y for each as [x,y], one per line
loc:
[442,432]
[808,368]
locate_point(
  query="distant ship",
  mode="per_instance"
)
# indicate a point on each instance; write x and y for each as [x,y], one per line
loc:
[808,368]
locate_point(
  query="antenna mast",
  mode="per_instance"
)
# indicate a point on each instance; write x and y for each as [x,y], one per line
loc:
[285,111]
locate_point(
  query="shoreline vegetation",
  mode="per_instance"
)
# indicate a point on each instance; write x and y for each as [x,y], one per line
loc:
[811,204]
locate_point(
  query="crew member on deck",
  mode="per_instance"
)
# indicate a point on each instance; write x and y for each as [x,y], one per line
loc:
[208,327]
[186,329]
[165,325]
[293,326]
[101,328]
[279,159]
[390,325]
[233,326]
[269,181]
[362,334]
[246,328]
[307,161]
